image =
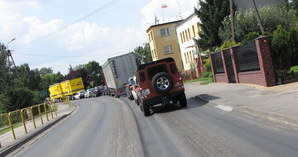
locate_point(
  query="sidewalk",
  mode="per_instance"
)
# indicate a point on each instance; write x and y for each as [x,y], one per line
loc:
[278,104]
[7,141]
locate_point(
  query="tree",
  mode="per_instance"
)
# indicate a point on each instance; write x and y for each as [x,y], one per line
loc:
[45,71]
[77,74]
[95,73]
[23,76]
[246,25]
[50,79]
[211,14]
[143,54]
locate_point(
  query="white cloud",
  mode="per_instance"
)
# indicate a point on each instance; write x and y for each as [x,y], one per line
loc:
[81,33]
[175,9]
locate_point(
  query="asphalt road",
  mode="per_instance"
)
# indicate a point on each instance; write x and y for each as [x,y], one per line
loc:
[108,126]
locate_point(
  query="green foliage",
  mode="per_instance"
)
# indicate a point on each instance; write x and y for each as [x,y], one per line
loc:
[207,64]
[207,74]
[143,54]
[294,69]
[228,44]
[50,79]
[94,73]
[211,14]
[91,73]
[16,98]
[284,47]
[246,22]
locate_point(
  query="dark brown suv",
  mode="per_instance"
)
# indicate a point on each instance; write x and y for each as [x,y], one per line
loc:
[159,82]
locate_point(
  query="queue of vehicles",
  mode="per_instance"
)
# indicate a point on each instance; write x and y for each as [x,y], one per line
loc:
[150,84]
[73,89]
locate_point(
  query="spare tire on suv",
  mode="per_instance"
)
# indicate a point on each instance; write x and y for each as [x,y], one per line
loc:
[162,82]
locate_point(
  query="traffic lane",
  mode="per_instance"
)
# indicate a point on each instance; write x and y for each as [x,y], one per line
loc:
[101,126]
[202,130]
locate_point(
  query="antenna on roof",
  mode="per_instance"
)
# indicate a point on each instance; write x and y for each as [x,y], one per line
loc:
[179,9]
[156,21]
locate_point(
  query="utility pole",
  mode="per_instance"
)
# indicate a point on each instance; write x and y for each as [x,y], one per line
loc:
[232,19]
[258,17]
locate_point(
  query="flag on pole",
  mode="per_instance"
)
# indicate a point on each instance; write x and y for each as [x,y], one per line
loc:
[163,6]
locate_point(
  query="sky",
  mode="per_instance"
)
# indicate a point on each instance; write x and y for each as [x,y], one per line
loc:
[59,33]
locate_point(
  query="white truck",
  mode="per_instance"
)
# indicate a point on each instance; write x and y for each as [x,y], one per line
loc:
[117,70]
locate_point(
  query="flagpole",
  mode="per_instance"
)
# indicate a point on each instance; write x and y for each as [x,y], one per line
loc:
[163,18]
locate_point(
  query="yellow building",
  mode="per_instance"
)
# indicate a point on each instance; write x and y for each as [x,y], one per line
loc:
[163,42]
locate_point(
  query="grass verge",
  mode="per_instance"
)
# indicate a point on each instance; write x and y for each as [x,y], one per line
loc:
[3,131]
[206,80]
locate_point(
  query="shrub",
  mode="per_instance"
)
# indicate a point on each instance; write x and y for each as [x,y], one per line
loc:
[284,48]
[16,98]
[207,74]
[228,44]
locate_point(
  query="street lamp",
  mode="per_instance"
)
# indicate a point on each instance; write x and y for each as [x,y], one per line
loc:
[10,42]
[8,51]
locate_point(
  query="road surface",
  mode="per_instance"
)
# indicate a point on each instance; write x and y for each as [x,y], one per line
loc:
[107,126]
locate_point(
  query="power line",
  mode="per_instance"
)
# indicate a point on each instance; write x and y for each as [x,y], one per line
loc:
[27,54]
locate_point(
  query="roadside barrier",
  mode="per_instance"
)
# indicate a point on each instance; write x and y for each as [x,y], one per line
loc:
[41,112]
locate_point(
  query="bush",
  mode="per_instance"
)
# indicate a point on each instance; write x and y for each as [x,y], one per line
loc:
[207,64]
[206,74]
[16,98]
[284,48]
[228,44]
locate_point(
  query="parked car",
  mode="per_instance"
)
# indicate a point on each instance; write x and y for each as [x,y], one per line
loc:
[159,82]
[98,90]
[90,93]
[79,95]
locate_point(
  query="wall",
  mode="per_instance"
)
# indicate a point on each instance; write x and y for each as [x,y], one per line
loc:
[265,76]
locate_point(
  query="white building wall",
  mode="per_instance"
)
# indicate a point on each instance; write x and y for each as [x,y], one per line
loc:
[188,46]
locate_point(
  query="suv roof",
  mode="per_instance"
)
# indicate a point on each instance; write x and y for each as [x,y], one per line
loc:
[142,66]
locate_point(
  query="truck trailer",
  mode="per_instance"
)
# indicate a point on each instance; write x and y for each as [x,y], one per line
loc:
[117,70]
[71,87]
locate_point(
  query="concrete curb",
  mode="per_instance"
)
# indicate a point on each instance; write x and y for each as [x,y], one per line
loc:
[9,149]
[269,116]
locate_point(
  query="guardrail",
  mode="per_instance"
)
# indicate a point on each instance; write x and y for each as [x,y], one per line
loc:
[38,114]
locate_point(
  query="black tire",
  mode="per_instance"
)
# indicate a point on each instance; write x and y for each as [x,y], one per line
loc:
[182,100]
[130,96]
[137,102]
[164,78]
[146,109]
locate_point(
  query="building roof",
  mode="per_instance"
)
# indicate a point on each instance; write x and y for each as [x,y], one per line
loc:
[185,20]
[163,24]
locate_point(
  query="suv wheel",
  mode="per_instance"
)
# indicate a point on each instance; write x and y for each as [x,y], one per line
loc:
[182,100]
[137,102]
[146,109]
[162,82]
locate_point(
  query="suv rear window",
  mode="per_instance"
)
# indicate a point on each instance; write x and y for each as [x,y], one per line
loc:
[156,69]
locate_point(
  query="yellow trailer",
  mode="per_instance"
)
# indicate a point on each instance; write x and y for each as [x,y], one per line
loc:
[70,87]
[55,91]
[76,85]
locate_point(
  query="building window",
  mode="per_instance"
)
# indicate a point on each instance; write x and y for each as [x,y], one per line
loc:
[185,58]
[193,30]
[181,37]
[164,32]
[189,34]
[168,49]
